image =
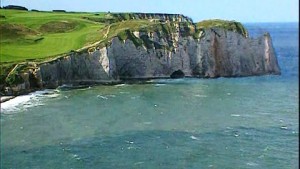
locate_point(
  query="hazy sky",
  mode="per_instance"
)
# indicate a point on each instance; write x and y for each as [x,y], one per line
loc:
[240,10]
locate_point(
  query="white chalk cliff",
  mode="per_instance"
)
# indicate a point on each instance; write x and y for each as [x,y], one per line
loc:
[219,53]
[215,53]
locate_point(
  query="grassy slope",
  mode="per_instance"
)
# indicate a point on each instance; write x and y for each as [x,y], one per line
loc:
[24,47]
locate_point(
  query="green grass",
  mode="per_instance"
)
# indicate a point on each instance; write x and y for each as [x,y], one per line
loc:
[132,25]
[44,34]
[228,25]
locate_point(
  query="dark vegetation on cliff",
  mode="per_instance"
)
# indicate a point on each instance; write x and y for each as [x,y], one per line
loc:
[16,7]
[35,36]
[228,25]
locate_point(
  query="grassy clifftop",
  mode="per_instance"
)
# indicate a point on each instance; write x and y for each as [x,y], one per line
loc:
[39,36]
[31,35]
[34,35]
[228,25]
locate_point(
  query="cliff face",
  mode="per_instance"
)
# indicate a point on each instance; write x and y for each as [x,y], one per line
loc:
[215,52]
[218,53]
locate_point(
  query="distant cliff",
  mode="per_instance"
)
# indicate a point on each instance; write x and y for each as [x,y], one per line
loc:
[161,52]
[158,16]
[152,17]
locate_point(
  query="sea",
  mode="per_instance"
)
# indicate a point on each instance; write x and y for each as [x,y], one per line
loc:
[223,123]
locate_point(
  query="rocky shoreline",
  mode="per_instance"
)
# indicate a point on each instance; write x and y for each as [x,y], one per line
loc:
[148,80]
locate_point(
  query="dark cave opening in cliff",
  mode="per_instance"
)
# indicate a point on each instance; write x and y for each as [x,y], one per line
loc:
[34,83]
[177,74]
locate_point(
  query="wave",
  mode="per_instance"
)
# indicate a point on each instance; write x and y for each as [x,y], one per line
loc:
[120,85]
[23,102]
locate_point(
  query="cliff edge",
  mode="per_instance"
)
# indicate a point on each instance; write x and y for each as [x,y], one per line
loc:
[170,46]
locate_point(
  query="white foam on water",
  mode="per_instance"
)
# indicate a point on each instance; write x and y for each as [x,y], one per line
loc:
[53,95]
[105,97]
[194,138]
[157,85]
[23,102]
[235,115]
[111,95]
[199,95]
[120,85]
[102,97]
[76,156]
[252,164]
[65,86]
[129,142]
[11,105]
[284,127]
[86,88]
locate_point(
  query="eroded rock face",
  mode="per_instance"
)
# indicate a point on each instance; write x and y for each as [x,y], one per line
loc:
[94,67]
[218,53]
[229,54]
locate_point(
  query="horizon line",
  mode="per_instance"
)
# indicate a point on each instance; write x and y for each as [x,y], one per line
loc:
[75,11]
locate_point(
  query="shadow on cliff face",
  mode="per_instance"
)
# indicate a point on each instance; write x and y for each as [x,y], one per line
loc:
[85,69]
[177,74]
[156,149]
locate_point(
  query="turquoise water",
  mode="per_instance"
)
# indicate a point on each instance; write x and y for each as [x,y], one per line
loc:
[247,122]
